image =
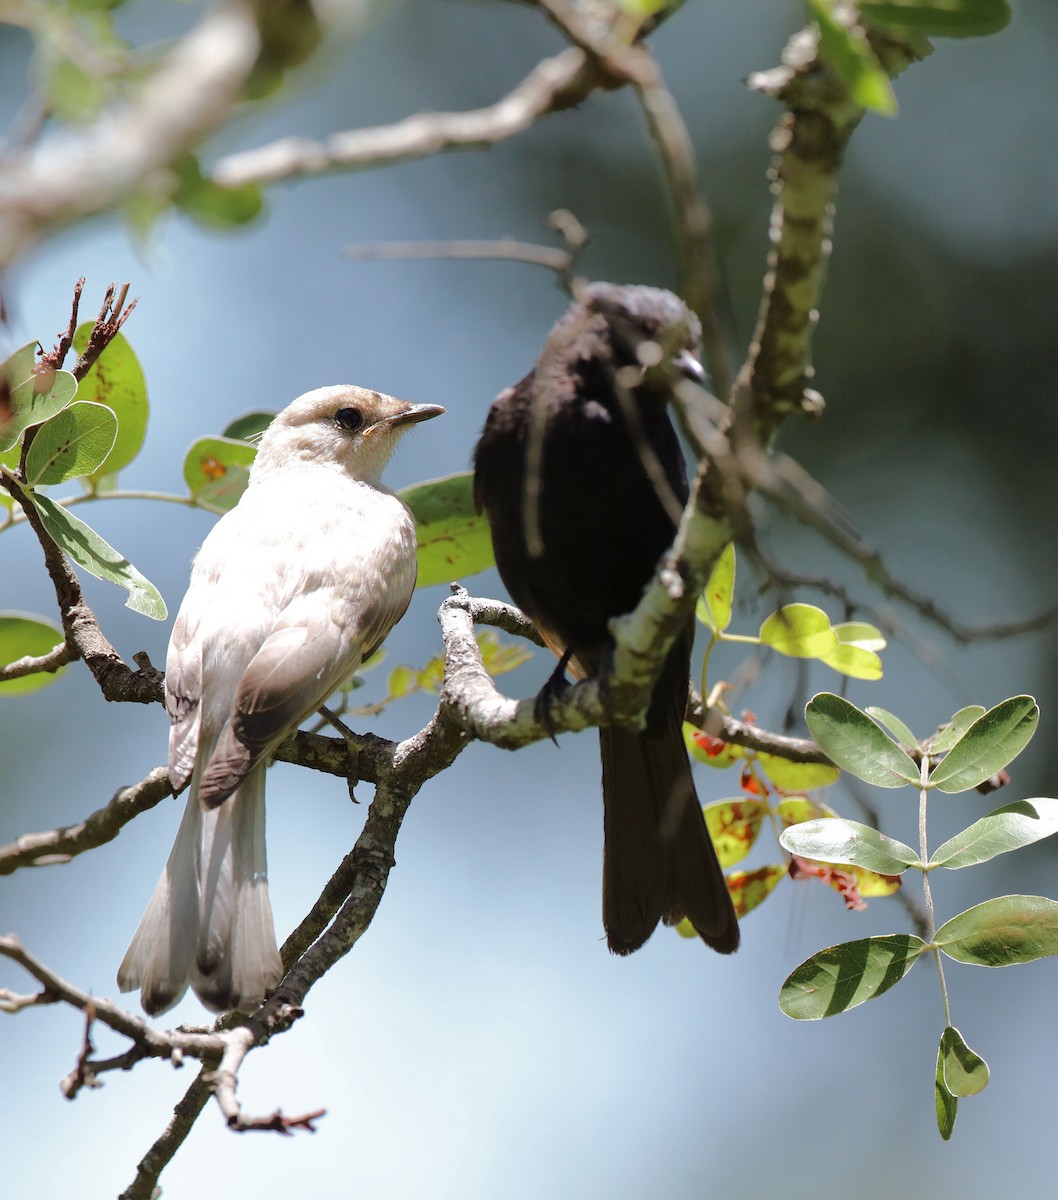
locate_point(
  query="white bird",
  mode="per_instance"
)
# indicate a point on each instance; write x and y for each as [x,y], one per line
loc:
[290,592]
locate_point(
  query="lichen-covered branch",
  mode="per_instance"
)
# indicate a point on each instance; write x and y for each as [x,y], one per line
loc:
[809,144]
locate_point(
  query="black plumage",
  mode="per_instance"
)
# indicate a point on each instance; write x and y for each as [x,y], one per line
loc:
[581,475]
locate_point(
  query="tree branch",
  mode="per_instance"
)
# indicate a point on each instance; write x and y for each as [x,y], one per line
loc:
[187,96]
[38,664]
[102,826]
[625,62]
[554,84]
[809,144]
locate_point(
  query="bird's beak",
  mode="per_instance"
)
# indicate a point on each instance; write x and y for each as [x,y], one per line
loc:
[689,367]
[412,415]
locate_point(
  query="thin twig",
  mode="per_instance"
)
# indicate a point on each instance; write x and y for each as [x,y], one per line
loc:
[55,358]
[112,315]
[39,664]
[502,249]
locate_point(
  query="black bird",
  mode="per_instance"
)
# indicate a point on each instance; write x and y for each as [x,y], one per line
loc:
[582,478]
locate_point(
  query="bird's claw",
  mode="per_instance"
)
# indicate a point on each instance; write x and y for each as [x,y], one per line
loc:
[554,689]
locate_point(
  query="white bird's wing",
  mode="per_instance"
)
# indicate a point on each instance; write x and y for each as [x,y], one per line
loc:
[307,656]
[183,697]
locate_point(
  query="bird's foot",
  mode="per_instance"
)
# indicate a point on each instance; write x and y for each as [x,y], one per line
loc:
[353,743]
[555,687]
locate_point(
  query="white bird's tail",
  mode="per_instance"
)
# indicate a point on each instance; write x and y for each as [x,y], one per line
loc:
[209,923]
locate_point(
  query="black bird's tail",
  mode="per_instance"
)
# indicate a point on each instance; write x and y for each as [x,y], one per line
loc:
[659,862]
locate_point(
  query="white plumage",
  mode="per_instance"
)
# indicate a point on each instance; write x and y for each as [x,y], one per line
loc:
[290,592]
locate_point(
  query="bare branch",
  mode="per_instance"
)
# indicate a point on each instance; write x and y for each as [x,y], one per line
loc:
[13,1002]
[102,826]
[500,249]
[31,664]
[790,485]
[158,1157]
[739,733]
[553,85]
[208,1046]
[623,63]
[57,356]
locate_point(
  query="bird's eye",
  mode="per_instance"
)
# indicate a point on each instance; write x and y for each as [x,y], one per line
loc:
[349,419]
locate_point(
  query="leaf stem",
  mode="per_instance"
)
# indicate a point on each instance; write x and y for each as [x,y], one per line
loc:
[713,639]
[927,891]
[70,501]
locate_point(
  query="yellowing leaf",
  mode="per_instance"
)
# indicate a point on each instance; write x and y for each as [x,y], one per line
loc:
[712,751]
[750,888]
[734,825]
[799,631]
[790,776]
[714,605]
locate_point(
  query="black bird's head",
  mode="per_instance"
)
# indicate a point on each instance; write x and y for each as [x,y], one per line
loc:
[646,327]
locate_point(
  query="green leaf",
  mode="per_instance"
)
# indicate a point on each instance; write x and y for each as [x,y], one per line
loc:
[846,50]
[401,682]
[432,675]
[454,539]
[991,742]
[74,443]
[90,551]
[31,398]
[498,655]
[836,840]
[895,726]
[947,1105]
[647,8]
[250,426]
[210,204]
[15,371]
[116,380]
[22,636]
[1002,931]
[841,977]
[800,631]
[73,94]
[859,633]
[857,744]
[795,809]
[855,662]
[796,776]
[1008,828]
[946,737]
[940,18]
[857,652]
[965,1073]
[216,470]
[714,605]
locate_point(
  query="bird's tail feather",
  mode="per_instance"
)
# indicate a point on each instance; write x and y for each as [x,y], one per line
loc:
[659,862]
[160,955]
[209,922]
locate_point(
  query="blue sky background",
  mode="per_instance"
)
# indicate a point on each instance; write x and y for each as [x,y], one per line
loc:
[480,1041]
